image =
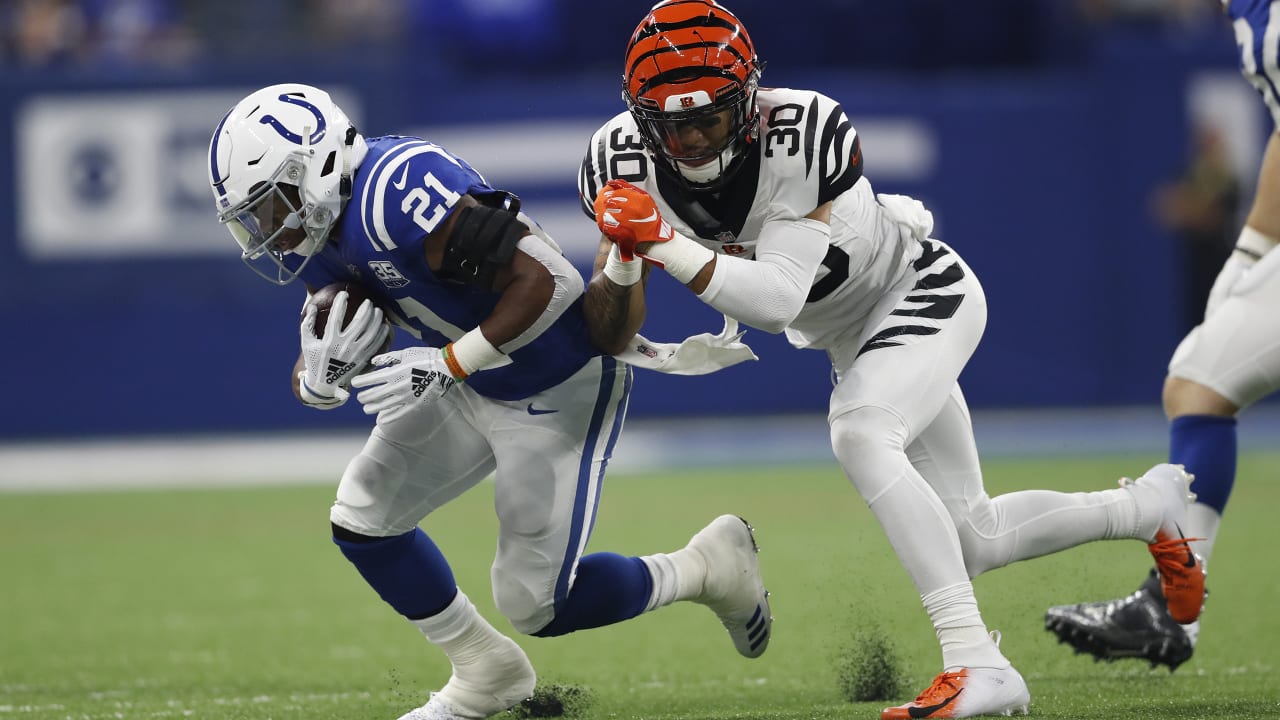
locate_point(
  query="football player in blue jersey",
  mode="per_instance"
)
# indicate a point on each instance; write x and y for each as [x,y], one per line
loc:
[504,380]
[754,198]
[1227,363]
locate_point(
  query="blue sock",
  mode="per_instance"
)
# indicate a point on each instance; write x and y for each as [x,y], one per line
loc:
[1206,445]
[609,588]
[408,571]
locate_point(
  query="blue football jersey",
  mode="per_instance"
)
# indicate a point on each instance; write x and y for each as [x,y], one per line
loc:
[402,190]
[1256,9]
[1257,37]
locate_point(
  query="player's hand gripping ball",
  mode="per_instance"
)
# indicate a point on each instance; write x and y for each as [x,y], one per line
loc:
[356,295]
[341,330]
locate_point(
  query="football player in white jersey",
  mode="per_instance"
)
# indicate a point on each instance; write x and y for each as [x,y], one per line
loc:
[1225,364]
[755,199]
[503,380]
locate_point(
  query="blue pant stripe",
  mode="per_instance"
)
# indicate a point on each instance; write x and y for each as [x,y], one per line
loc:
[586,477]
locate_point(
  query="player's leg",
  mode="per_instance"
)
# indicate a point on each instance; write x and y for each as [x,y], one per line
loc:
[1228,362]
[406,470]
[550,468]
[1029,523]
[891,384]
[1225,364]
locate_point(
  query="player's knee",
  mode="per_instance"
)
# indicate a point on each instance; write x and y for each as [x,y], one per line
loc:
[1188,397]
[348,535]
[529,607]
[863,430]
[362,504]
[868,441]
[350,520]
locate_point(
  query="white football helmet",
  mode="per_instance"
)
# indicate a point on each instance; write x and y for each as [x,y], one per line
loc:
[280,162]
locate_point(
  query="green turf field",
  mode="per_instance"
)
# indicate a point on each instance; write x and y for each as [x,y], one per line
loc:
[234,604]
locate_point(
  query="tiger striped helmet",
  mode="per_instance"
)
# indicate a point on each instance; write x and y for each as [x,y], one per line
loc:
[690,83]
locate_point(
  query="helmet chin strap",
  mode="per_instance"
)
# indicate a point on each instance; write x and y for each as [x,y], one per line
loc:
[707,172]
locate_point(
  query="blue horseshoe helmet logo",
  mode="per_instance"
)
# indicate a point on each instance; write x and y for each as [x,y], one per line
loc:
[288,134]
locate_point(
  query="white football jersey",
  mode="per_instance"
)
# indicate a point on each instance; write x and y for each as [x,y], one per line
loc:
[807,153]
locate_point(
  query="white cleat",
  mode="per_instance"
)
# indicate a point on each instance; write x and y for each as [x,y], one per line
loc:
[969,692]
[435,709]
[732,587]
[1173,484]
[492,683]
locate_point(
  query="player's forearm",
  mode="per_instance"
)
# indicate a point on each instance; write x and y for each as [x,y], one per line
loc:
[536,289]
[755,293]
[770,291]
[522,305]
[614,313]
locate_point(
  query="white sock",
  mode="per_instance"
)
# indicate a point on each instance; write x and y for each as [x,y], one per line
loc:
[490,671]
[676,576]
[1192,629]
[1202,522]
[961,632]
[1149,508]
[460,631]
[1030,523]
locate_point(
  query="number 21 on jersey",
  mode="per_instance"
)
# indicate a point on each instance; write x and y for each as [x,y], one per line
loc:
[433,197]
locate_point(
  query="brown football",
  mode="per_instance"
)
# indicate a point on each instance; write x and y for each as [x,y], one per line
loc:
[356,294]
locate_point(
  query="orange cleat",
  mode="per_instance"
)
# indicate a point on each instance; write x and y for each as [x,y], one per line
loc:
[1181,572]
[1181,576]
[967,693]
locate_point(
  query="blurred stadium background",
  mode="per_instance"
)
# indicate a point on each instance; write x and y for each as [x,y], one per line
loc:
[1091,159]
[1049,137]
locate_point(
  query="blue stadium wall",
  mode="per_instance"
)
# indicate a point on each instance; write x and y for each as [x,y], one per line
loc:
[125,308]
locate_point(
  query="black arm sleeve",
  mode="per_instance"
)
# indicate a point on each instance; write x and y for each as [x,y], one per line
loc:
[483,240]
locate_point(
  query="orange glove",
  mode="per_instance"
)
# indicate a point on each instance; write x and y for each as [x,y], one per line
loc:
[628,216]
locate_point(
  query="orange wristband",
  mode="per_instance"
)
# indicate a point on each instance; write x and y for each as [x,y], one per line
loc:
[455,368]
[471,353]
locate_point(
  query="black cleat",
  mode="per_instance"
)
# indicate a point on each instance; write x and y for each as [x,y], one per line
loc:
[1137,626]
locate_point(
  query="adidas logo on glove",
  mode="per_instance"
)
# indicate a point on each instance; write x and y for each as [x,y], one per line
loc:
[337,369]
[422,380]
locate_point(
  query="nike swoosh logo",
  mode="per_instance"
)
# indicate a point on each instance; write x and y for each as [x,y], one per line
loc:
[924,712]
[1191,557]
[538,411]
[652,216]
[404,178]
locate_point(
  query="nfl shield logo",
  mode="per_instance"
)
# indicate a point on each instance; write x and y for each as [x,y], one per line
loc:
[388,274]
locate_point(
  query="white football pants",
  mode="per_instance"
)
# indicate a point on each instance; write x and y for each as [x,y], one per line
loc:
[901,431]
[548,453]
[1236,351]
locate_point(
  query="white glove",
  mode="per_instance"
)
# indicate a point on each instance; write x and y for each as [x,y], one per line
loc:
[909,213]
[1250,248]
[329,362]
[1232,270]
[408,379]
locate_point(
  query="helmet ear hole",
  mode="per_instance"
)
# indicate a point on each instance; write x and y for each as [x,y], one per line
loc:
[329,162]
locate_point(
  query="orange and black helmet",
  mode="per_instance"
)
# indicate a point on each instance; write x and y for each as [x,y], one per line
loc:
[690,83]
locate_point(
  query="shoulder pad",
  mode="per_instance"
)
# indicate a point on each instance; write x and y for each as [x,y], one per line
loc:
[614,153]
[807,133]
